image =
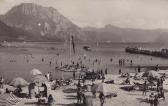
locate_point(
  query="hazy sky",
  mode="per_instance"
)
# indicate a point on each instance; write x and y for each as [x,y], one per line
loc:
[147,14]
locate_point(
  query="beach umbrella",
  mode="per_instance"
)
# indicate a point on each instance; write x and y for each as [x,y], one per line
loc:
[152,74]
[19,82]
[39,79]
[35,72]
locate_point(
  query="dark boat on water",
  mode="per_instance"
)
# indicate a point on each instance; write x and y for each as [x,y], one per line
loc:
[87,48]
[135,50]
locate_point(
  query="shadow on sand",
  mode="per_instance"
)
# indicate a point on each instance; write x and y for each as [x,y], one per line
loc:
[142,100]
[30,103]
[71,97]
[72,104]
[69,90]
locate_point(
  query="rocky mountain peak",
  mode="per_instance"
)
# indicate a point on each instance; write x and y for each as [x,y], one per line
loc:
[41,21]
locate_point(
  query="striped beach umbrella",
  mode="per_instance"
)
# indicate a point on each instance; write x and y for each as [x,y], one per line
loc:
[8,100]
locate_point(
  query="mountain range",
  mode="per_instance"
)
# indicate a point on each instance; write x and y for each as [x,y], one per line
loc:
[111,33]
[32,22]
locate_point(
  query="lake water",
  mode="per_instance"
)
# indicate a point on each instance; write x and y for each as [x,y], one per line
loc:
[18,61]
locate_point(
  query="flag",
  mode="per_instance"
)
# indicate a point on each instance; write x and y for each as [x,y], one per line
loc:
[73,43]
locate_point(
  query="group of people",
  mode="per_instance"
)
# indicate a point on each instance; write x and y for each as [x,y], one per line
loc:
[83,99]
[61,82]
[160,89]
[153,99]
[122,62]
[41,94]
[101,96]
[96,75]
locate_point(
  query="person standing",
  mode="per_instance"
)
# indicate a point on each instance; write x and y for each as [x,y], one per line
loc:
[103,77]
[111,60]
[73,74]
[156,101]
[119,62]
[79,96]
[151,99]
[161,81]
[48,76]
[145,88]
[106,71]
[139,69]
[102,98]
[158,84]
[162,94]
[1,82]
[157,67]
[83,98]
[45,90]
[131,63]
[42,59]
[30,87]
[50,100]
[119,72]
[93,90]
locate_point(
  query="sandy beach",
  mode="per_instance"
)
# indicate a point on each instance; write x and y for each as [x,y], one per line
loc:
[124,98]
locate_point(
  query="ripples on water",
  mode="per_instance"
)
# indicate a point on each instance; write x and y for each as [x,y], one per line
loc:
[104,51]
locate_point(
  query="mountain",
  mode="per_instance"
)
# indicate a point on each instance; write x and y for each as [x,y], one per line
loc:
[32,22]
[5,31]
[11,34]
[42,23]
[111,33]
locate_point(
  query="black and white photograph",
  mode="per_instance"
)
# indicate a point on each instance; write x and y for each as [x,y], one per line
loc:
[83,52]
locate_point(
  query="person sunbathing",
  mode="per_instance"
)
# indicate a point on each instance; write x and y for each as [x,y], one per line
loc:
[127,81]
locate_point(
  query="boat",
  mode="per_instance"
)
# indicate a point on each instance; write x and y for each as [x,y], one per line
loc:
[138,50]
[87,48]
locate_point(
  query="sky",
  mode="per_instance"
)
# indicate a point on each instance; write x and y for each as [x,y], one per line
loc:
[144,14]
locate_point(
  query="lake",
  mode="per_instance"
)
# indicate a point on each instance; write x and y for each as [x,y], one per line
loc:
[18,61]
